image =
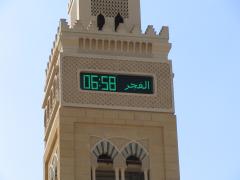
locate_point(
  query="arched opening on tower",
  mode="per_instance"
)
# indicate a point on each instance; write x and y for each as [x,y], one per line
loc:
[135,157]
[105,153]
[134,169]
[100,21]
[118,20]
[105,170]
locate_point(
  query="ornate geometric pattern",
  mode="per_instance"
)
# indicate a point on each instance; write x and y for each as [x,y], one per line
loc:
[109,8]
[105,148]
[119,156]
[71,93]
[134,149]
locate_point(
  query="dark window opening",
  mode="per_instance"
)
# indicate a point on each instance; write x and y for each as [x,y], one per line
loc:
[118,20]
[104,159]
[105,175]
[133,160]
[134,175]
[100,22]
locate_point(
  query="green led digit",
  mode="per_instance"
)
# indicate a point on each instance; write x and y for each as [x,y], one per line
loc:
[112,83]
[94,82]
[104,82]
[86,82]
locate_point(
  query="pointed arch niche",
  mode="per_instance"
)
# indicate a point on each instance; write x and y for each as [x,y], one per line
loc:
[100,21]
[118,19]
[137,162]
[103,155]
[110,163]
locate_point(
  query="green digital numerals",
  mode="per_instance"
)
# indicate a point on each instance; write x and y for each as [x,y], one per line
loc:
[105,83]
[112,83]
[87,82]
[99,82]
[120,83]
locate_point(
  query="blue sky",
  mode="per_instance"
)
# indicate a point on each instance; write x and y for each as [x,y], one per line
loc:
[205,36]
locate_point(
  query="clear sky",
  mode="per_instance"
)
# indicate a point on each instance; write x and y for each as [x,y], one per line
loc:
[206,44]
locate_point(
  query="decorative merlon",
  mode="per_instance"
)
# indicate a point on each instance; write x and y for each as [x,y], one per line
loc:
[164,33]
[108,28]
[63,25]
[150,31]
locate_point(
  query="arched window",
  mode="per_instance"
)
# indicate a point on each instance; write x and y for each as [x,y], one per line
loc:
[118,20]
[135,155]
[100,21]
[105,169]
[134,169]
[104,153]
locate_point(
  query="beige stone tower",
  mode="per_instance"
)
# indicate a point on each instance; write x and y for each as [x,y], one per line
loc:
[109,106]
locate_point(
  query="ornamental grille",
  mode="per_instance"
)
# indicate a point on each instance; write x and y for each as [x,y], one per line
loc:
[109,8]
[71,90]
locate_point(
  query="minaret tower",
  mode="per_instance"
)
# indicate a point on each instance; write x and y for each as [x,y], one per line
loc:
[109,105]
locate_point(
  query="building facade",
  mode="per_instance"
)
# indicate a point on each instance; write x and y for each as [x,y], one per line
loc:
[109,105]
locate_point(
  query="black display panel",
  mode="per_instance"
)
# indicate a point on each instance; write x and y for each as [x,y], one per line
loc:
[122,83]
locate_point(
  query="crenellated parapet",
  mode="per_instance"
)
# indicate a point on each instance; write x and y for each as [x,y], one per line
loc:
[131,41]
[89,41]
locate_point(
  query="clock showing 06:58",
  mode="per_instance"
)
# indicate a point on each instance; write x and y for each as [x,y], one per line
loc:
[121,83]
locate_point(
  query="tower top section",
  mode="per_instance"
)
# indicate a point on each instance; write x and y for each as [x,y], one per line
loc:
[88,10]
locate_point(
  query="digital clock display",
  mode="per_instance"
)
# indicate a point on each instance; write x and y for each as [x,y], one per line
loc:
[116,83]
